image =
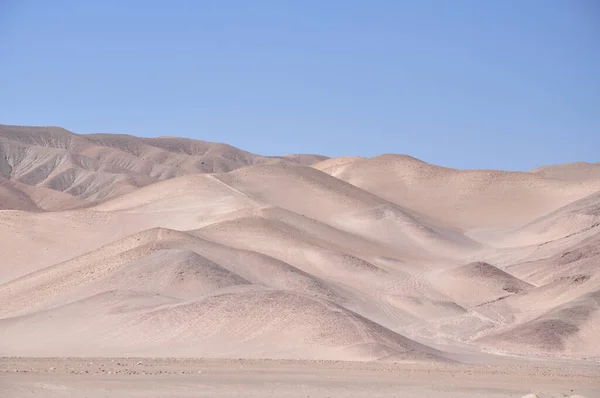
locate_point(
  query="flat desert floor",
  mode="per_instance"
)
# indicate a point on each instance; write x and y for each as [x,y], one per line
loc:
[129,377]
[327,276]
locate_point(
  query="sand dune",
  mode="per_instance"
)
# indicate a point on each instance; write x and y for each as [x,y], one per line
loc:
[334,166]
[464,198]
[282,241]
[341,205]
[34,241]
[570,328]
[119,245]
[535,302]
[156,261]
[477,283]
[304,159]
[576,171]
[259,323]
[576,217]
[13,198]
[578,259]
[202,193]
[101,166]
[177,273]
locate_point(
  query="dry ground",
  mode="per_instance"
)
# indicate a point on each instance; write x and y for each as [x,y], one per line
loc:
[130,377]
[113,246]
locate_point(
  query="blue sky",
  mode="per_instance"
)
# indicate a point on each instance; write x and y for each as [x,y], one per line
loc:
[466,84]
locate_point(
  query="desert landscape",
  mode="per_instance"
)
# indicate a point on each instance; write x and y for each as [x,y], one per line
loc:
[175,267]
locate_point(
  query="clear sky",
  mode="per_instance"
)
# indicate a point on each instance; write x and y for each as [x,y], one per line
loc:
[467,84]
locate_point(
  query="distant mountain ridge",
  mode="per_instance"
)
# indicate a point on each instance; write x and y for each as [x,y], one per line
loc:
[96,167]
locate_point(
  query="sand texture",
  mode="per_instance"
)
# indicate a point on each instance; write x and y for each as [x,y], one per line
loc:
[120,246]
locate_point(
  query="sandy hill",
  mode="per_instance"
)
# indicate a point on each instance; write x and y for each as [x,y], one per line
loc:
[571,171]
[570,328]
[14,198]
[334,165]
[576,217]
[485,282]
[120,245]
[463,198]
[132,280]
[96,167]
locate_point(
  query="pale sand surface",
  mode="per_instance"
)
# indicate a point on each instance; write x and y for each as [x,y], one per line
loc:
[122,246]
[142,377]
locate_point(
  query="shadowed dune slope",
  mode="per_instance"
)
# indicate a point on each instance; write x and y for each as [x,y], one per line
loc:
[260,323]
[96,167]
[478,283]
[17,196]
[570,328]
[535,302]
[156,261]
[13,198]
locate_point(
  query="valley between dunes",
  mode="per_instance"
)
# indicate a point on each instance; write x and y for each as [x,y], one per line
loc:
[120,246]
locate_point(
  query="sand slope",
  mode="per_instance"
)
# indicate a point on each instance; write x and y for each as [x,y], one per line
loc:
[479,282]
[100,166]
[571,171]
[569,328]
[260,323]
[119,245]
[576,217]
[464,198]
